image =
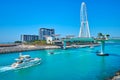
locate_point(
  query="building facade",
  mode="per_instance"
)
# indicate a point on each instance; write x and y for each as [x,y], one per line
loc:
[49,40]
[27,38]
[43,32]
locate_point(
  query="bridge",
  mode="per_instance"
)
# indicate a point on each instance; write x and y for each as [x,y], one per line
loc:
[84,34]
[102,41]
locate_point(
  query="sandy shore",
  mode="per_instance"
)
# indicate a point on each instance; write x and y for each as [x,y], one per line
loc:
[21,48]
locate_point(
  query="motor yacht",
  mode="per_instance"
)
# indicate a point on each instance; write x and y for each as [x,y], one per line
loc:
[25,60]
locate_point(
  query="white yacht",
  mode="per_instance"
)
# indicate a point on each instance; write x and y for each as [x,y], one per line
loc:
[25,60]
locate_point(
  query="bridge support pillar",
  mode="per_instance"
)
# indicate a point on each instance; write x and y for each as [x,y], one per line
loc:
[64,45]
[102,49]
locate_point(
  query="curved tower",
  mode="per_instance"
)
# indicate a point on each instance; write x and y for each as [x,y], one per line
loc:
[84,29]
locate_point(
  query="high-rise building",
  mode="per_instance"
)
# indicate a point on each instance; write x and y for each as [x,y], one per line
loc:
[43,32]
[26,38]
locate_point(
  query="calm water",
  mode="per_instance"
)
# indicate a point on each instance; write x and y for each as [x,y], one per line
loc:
[70,64]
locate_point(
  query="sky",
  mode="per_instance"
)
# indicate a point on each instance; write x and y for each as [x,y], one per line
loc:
[28,16]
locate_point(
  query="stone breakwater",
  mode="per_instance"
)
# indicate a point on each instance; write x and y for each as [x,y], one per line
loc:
[116,76]
[21,48]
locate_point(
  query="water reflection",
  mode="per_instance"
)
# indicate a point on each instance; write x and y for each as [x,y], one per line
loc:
[102,68]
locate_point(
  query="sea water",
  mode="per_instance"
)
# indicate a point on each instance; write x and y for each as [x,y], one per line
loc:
[69,64]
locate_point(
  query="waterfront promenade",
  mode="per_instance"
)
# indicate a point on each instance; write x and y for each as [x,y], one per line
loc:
[20,48]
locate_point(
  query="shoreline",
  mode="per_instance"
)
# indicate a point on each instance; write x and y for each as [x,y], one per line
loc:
[22,48]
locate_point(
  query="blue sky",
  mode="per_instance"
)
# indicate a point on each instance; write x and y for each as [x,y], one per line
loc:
[27,16]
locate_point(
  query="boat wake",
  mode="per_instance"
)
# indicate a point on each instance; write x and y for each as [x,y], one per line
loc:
[6,68]
[9,68]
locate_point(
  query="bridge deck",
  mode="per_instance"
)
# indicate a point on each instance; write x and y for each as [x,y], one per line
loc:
[79,39]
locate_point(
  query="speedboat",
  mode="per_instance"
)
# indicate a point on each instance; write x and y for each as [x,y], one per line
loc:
[51,52]
[25,60]
[91,46]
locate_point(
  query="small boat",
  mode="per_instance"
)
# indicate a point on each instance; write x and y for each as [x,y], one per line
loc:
[51,52]
[91,46]
[25,60]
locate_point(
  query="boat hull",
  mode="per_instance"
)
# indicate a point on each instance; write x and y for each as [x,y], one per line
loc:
[26,64]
